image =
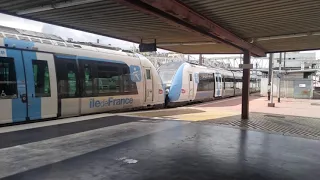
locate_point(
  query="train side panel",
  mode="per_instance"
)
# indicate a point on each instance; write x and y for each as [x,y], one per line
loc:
[43,81]
[153,88]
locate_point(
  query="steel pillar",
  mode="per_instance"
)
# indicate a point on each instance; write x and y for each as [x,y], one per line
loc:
[271,103]
[269,74]
[279,76]
[200,59]
[284,61]
[245,86]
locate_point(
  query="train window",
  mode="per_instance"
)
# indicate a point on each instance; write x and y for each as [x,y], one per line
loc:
[206,82]
[88,79]
[109,78]
[71,79]
[128,85]
[41,78]
[105,78]
[166,76]
[148,73]
[67,78]
[8,81]
[190,77]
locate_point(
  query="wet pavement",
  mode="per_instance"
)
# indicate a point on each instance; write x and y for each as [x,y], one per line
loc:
[125,147]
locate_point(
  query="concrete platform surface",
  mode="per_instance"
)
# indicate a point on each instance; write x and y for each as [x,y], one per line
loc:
[122,147]
[293,107]
[232,107]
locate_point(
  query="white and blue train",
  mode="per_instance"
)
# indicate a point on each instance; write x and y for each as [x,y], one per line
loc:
[46,78]
[185,82]
[42,76]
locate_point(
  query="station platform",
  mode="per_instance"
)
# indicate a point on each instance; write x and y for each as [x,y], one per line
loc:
[201,141]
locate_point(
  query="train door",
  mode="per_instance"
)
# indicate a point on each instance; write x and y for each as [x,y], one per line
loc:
[218,85]
[216,89]
[214,85]
[148,85]
[27,86]
[191,86]
[40,75]
[13,92]
[223,85]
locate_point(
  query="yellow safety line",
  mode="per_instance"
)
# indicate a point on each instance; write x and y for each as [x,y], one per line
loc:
[204,116]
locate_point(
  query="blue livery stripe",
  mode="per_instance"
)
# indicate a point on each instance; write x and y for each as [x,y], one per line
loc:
[19,109]
[176,86]
[34,108]
[34,104]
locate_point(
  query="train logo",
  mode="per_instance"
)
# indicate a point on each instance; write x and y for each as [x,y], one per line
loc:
[135,73]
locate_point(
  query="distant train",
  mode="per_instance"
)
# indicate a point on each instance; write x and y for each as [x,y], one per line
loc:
[185,82]
[45,77]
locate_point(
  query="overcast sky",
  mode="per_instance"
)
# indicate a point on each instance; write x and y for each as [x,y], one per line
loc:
[15,22]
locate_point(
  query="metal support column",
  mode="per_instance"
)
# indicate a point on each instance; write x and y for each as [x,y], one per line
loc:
[279,76]
[284,61]
[284,69]
[200,59]
[269,74]
[271,103]
[245,86]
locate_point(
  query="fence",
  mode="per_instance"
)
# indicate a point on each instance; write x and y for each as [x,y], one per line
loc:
[289,88]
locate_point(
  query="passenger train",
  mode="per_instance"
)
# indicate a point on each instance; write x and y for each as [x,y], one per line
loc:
[43,77]
[185,82]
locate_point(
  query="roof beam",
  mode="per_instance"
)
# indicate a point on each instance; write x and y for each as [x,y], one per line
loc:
[178,14]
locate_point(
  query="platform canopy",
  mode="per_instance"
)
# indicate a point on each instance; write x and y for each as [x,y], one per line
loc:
[187,26]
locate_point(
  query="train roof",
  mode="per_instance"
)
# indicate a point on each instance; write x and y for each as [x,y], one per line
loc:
[219,70]
[175,65]
[171,65]
[7,31]
[50,39]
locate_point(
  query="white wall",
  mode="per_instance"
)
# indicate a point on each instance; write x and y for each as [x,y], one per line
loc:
[264,87]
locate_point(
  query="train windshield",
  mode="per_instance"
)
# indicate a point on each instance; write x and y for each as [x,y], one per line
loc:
[168,70]
[166,76]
